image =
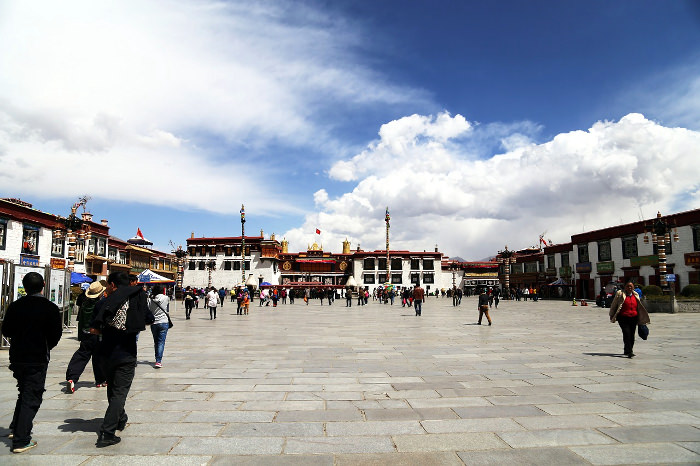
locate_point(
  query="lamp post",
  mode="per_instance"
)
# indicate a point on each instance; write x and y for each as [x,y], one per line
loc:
[388,267]
[660,236]
[243,243]
[506,258]
[211,265]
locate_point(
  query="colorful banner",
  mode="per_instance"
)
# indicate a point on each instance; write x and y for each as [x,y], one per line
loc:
[583,267]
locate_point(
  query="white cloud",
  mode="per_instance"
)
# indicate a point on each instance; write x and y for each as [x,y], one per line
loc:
[131,82]
[577,181]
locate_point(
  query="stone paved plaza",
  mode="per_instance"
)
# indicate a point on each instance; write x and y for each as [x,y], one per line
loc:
[320,385]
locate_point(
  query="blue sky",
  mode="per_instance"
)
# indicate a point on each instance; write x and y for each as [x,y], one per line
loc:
[478,123]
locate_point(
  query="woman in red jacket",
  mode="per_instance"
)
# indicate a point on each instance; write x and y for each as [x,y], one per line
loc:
[627,309]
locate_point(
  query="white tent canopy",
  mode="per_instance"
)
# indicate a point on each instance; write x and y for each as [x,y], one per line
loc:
[148,276]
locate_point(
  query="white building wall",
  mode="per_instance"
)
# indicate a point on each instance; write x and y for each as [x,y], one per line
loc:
[229,278]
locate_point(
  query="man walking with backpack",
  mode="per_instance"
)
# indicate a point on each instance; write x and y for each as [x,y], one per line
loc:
[118,318]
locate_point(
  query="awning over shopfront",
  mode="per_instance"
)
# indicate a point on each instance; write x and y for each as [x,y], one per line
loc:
[148,276]
[78,278]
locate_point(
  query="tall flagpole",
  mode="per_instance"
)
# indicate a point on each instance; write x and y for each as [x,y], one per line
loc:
[243,243]
[386,219]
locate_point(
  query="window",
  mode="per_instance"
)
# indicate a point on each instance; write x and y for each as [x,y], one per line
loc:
[415,264]
[604,252]
[112,254]
[101,246]
[696,237]
[564,256]
[368,279]
[583,253]
[3,233]
[368,263]
[201,265]
[227,265]
[629,247]
[192,265]
[550,261]
[396,264]
[428,277]
[30,240]
[415,278]
[237,265]
[428,265]
[516,268]
[530,267]
[382,263]
[57,246]
[80,251]
[396,278]
[91,245]
[229,251]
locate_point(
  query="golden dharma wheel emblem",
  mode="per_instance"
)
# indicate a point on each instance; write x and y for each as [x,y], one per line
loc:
[287,265]
[343,265]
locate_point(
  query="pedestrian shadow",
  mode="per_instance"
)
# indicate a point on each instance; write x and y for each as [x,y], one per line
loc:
[473,323]
[81,425]
[610,355]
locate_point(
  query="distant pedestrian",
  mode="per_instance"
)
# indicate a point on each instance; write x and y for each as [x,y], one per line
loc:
[160,308]
[245,304]
[222,296]
[188,299]
[483,306]
[629,312]
[34,325]
[88,342]
[418,298]
[348,297]
[212,302]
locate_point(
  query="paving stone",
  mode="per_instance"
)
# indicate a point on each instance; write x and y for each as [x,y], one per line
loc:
[648,453]
[157,460]
[229,446]
[448,442]
[523,457]
[553,438]
[339,429]
[651,434]
[582,408]
[400,459]
[470,425]
[276,460]
[653,418]
[320,415]
[499,411]
[128,446]
[564,422]
[34,457]
[317,445]
[273,429]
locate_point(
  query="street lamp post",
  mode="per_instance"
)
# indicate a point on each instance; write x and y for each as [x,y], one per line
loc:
[506,258]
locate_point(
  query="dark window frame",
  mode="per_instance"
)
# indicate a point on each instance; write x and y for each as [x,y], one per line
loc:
[604,251]
[583,253]
[369,279]
[630,247]
[369,260]
[428,264]
[3,233]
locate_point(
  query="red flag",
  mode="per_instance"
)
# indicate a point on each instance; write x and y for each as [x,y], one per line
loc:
[139,234]
[318,232]
[542,241]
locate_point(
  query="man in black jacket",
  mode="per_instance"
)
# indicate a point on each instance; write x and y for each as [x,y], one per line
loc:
[33,323]
[118,318]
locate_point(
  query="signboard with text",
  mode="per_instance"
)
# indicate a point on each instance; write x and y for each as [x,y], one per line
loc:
[583,267]
[58,263]
[29,260]
[644,260]
[605,267]
[692,258]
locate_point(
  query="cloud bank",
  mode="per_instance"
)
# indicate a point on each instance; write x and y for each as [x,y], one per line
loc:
[438,191]
[142,100]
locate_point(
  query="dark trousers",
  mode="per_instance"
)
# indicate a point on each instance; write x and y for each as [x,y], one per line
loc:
[87,350]
[30,384]
[120,374]
[189,304]
[348,301]
[418,305]
[212,313]
[629,327]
